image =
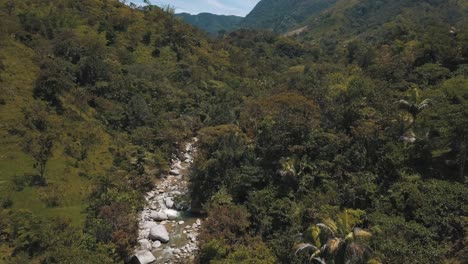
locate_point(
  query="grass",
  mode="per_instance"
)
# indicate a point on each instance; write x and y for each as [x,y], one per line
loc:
[63,172]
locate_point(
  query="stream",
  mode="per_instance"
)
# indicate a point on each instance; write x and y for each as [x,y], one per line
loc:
[167,230]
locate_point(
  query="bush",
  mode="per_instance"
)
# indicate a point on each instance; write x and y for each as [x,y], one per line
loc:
[21,181]
[6,202]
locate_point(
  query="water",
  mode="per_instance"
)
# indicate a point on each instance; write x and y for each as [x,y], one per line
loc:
[164,201]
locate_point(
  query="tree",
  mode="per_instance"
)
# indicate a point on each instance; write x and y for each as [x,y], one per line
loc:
[40,148]
[56,78]
[414,109]
[338,241]
[40,141]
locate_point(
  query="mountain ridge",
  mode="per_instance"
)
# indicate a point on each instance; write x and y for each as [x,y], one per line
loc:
[211,23]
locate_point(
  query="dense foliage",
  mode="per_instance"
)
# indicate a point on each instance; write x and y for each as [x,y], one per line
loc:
[283,15]
[346,144]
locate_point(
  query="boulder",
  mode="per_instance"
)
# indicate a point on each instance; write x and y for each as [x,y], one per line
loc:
[144,257]
[169,202]
[188,157]
[158,216]
[156,244]
[174,172]
[160,233]
[145,244]
[177,165]
[148,225]
[171,214]
[142,234]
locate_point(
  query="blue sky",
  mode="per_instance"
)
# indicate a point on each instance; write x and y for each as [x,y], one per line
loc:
[221,7]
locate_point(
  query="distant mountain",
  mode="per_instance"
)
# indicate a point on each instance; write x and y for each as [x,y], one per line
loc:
[211,23]
[283,15]
[373,20]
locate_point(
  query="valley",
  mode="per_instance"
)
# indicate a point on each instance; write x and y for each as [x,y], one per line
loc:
[321,131]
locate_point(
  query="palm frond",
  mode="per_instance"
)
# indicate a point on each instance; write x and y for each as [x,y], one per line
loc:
[305,246]
[333,245]
[318,260]
[424,104]
[359,233]
[404,105]
[331,225]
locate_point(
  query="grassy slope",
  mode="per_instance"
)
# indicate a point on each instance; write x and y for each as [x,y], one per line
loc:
[62,170]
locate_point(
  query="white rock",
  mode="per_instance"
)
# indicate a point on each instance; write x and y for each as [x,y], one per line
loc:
[169,202]
[181,222]
[176,165]
[148,225]
[198,222]
[159,216]
[144,257]
[156,244]
[174,172]
[160,233]
[171,214]
[145,244]
[142,234]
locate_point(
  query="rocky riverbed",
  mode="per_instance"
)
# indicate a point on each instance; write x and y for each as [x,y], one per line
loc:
[167,231]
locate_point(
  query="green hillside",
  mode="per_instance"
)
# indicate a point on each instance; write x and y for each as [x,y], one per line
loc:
[346,143]
[211,23]
[283,15]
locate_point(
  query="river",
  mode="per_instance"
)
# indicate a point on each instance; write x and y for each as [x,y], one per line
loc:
[167,230]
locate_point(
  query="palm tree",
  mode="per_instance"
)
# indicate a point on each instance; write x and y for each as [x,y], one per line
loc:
[337,242]
[414,109]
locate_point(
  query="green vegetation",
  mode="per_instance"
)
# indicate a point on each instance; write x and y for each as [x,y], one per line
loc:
[283,15]
[345,144]
[211,23]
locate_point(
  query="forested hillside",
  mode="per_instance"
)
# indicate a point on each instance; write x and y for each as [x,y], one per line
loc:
[345,144]
[283,15]
[211,23]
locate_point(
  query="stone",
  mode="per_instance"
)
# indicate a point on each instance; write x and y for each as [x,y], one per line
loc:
[198,222]
[145,244]
[148,225]
[174,172]
[187,157]
[142,234]
[160,233]
[144,257]
[181,222]
[158,216]
[177,165]
[176,251]
[171,214]
[169,202]
[156,244]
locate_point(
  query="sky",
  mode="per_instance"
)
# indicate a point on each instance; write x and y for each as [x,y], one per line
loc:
[220,7]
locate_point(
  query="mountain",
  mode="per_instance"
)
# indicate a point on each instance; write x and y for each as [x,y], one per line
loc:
[283,15]
[211,23]
[349,19]
[343,141]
